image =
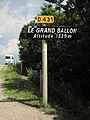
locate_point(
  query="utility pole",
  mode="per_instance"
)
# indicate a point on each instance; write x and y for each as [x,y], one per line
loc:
[44,71]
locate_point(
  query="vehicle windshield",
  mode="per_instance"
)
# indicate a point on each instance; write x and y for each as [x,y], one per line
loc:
[7,57]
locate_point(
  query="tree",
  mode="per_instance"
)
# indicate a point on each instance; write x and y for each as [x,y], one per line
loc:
[78,14]
[68,60]
[29,50]
[32,48]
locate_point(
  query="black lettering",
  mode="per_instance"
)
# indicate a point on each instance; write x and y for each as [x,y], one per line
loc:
[44,19]
[39,19]
[52,19]
[48,19]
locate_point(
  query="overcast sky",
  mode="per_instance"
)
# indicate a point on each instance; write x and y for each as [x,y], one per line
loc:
[13,15]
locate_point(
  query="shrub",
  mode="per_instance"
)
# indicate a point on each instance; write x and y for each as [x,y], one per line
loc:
[20,68]
[17,67]
[33,75]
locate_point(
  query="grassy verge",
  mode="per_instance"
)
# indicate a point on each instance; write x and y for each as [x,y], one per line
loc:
[19,88]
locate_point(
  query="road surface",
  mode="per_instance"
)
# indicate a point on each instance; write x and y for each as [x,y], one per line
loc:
[10,110]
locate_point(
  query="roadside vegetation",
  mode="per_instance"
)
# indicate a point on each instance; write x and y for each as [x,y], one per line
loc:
[25,90]
[19,88]
[68,60]
[22,89]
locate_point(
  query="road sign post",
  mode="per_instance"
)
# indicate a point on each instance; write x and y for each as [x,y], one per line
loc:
[49,32]
[44,72]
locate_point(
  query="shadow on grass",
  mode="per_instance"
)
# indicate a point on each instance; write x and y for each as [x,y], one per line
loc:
[28,89]
[20,101]
[21,85]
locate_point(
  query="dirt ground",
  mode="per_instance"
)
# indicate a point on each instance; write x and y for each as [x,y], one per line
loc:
[10,110]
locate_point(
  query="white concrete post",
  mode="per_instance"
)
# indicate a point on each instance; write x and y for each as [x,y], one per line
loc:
[44,72]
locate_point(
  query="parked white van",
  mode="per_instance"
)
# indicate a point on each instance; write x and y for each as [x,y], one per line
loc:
[9,59]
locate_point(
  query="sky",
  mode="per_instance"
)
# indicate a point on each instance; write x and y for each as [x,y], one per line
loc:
[14,14]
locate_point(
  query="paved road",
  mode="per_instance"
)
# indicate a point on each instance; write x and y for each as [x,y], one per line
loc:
[10,110]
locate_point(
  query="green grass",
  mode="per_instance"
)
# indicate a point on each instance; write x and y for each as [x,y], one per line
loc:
[19,89]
